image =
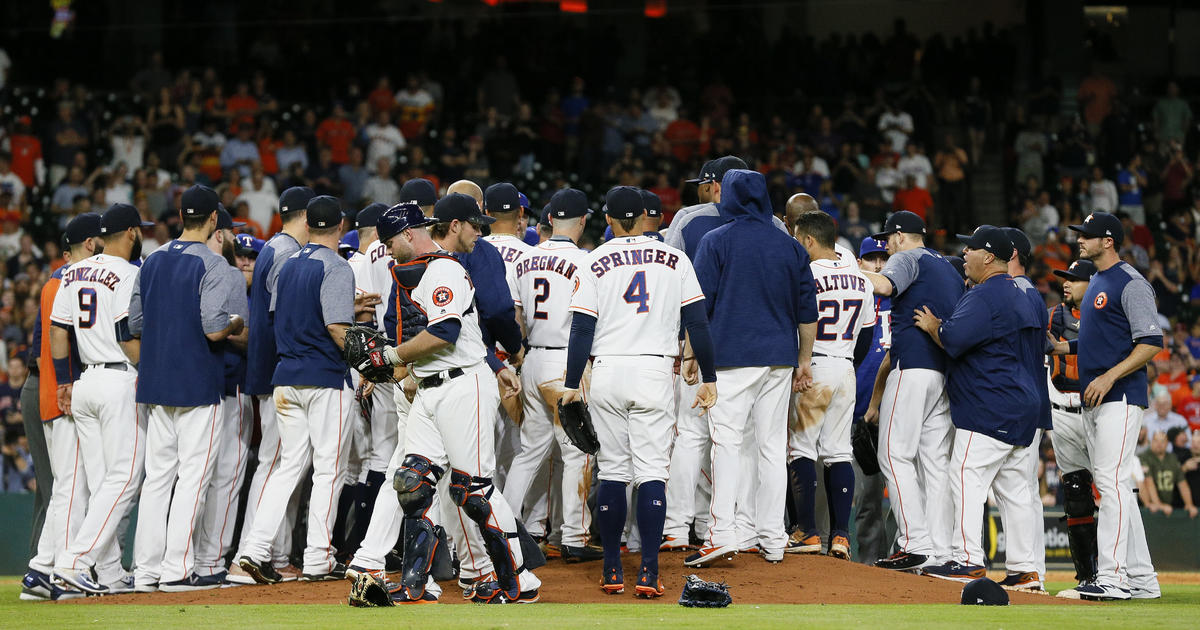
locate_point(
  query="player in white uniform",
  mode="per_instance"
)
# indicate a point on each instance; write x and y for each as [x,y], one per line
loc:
[94,302]
[632,294]
[450,426]
[823,414]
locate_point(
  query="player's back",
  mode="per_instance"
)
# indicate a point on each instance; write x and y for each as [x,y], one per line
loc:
[920,277]
[635,286]
[845,304]
[93,297]
[545,279]
[373,274]
[511,250]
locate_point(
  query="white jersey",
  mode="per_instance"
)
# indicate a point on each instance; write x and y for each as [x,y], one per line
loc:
[635,286]
[445,292]
[845,305]
[93,297]
[373,274]
[546,277]
[511,250]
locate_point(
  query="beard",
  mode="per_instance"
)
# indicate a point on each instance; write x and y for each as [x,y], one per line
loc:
[227,252]
[136,252]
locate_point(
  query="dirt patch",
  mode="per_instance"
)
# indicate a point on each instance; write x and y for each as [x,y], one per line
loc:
[798,580]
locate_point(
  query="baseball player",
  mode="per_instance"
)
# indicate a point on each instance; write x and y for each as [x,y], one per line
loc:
[845,305]
[261,358]
[93,302]
[313,305]
[763,361]
[452,420]
[909,399]
[214,535]
[704,186]
[651,221]
[1118,335]
[632,296]
[996,339]
[545,279]
[69,493]
[687,231]
[179,312]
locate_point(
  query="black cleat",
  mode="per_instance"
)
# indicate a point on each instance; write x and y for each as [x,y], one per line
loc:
[587,553]
[902,561]
[262,572]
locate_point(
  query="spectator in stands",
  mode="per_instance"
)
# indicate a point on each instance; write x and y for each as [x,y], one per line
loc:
[414,106]
[11,182]
[353,176]
[382,187]
[260,194]
[1164,476]
[384,139]
[149,80]
[888,179]
[896,126]
[1131,181]
[1190,465]
[166,122]
[1095,95]
[1160,418]
[1101,192]
[1031,145]
[291,152]
[67,136]
[1175,176]
[1172,116]
[914,199]
[337,133]
[916,163]
[64,196]
[241,152]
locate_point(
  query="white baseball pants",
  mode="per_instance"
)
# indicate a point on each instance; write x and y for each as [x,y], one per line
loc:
[536,432]
[181,445]
[219,518]
[268,465]
[631,401]
[980,462]
[1112,430]
[1029,466]
[386,517]
[829,438]
[691,458]
[68,499]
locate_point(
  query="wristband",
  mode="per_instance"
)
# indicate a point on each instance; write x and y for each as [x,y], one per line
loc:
[62,371]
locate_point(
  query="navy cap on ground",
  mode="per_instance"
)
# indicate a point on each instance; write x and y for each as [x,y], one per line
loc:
[651,203]
[501,197]
[1101,225]
[295,198]
[871,246]
[120,217]
[623,202]
[1082,269]
[1020,241]
[247,245]
[198,201]
[369,216]
[83,227]
[723,165]
[324,212]
[225,220]
[568,203]
[903,222]
[699,179]
[398,218]
[984,592]
[461,207]
[989,238]
[419,191]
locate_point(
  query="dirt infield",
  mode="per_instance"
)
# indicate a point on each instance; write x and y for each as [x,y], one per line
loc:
[799,580]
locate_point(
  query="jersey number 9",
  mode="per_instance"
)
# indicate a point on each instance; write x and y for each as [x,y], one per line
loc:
[87,308]
[852,308]
[637,293]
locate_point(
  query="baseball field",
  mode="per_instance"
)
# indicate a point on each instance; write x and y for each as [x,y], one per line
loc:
[803,591]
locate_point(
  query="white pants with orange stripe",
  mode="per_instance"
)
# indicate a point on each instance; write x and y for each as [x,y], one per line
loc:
[980,462]
[314,428]
[1112,432]
[1029,463]
[266,467]
[68,499]
[107,422]
[221,505]
[915,436]
[691,457]
[181,444]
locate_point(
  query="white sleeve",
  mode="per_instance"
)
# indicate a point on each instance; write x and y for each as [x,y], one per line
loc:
[447,294]
[510,278]
[62,311]
[583,298]
[869,315]
[691,286]
[121,296]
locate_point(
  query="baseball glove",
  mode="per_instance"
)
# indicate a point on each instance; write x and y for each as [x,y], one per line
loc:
[864,439]
[369,591]
[577,424]
[698,593]
[361,343]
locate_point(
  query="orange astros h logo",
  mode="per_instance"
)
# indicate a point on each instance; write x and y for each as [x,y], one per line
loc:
[1101,300]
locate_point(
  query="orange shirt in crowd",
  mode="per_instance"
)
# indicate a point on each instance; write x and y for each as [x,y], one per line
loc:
[1096,93]
[916,200]
[337,134]
[26,151]
[237,105]
[266,154]
[1174,383]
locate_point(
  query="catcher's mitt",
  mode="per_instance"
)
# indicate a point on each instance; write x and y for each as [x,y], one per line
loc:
[698,593]
[864,439]
[369,591]
[361,343]
[577,424]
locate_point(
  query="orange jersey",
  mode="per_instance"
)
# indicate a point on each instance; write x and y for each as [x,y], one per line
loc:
[48,383]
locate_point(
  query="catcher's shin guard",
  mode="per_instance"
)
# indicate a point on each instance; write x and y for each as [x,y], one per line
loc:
[1080,508]
[473,495]
[416,484]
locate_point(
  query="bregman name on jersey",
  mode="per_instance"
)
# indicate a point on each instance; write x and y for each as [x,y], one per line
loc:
[555,264]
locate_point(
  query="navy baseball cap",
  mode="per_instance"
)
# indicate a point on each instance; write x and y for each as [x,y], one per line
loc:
[568,203]
[120,217]
[623,202]
[198,201]
[83,227]
[246,245]
[547,214]
[398,218]
[324,211]
[501,197]
[1020,242]
[871,246]
[418,191]
[723,165]
[1082,269]
[699,179]
[457,206]
[903,222]
[984,592]
[369,216]
[295,198]
[651,203]
[225,220]
[1101,225]
[989,238]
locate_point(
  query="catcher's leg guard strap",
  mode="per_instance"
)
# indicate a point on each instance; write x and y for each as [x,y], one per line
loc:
[1080,508]
[416,483]
[473,495]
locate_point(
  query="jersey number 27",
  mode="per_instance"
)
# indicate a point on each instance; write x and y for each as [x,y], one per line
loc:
[852,308]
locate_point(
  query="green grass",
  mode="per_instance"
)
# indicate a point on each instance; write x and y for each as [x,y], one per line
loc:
[1176,609]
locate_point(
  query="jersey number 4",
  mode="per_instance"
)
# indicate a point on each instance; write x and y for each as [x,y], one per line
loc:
[853,309]
[637,293]
[87,308]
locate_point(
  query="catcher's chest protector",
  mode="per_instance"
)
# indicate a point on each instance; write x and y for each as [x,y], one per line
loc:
[410,319]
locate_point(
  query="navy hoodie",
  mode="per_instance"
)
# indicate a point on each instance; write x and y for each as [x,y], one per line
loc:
[757,284]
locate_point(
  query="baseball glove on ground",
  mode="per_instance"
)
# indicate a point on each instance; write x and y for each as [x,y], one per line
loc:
[577,424]
[698,593]
[369,591]
[864,439]
[363,351]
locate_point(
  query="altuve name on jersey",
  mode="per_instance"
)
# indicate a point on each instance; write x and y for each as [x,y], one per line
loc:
[535,262]
[633,257]
[834,282]
[81,273]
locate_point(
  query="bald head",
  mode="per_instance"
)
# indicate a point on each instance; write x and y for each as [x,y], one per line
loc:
[797,205]
[468,188]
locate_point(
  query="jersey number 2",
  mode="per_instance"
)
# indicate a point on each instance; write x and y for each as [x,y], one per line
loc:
[542,286]
[87,308]
[637,294]
[837,308]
